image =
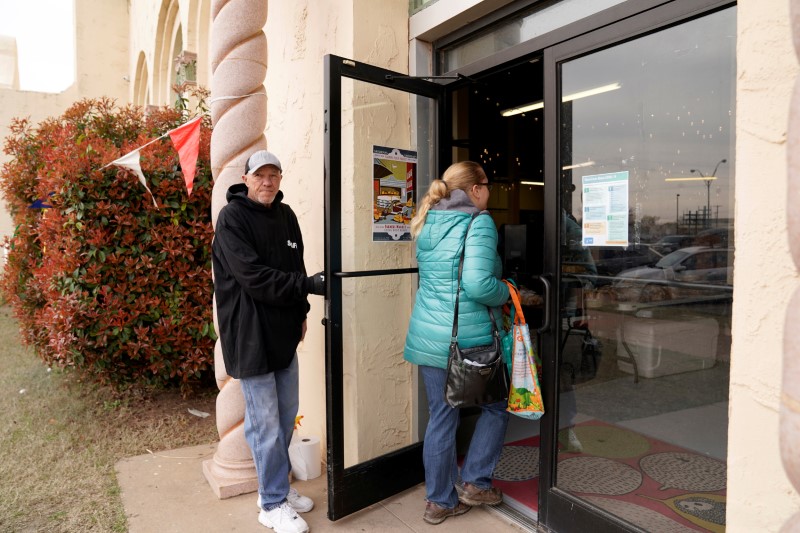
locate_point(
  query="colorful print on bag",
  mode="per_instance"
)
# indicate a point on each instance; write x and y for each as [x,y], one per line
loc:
[525,396]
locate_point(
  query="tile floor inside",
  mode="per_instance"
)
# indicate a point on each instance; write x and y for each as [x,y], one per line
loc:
[695,422]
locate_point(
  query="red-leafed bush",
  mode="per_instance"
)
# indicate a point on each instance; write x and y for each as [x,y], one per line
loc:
[104,281]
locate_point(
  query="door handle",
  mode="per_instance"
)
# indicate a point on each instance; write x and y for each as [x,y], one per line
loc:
[547,291]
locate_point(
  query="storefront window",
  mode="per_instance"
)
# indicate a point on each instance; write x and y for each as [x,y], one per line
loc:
[542,18]
[647,246]
[417,5]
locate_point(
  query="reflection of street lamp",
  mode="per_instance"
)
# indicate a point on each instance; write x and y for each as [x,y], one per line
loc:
[677,218]
[708,179]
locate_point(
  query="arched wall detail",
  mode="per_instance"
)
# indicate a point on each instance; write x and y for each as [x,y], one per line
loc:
[159,47]
[141,80]
[168,23]
[177,46]
[203,26]
[192,31]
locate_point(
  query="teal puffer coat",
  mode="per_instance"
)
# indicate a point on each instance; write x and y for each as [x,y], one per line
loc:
[438,252]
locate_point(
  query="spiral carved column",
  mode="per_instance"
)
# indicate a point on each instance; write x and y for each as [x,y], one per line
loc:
[239,67]
[790,394]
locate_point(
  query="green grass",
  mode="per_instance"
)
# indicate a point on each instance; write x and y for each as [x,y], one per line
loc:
[60,439]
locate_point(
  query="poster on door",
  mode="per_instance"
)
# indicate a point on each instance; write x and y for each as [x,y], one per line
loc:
[394,178]
[605,209]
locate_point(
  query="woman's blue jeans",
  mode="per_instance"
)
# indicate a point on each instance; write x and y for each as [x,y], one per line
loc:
[271,402]
[439,448]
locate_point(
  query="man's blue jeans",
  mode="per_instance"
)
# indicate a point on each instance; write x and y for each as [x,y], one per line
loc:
[271,402]
[439,449]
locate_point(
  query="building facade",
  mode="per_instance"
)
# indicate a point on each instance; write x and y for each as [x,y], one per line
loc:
[639,155]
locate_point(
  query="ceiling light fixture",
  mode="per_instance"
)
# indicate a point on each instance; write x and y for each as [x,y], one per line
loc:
[568,98]
[578,165]
[707,178]
[538,183]
[522,109]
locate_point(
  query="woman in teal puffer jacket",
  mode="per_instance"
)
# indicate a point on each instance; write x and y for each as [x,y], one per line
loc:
[440,230]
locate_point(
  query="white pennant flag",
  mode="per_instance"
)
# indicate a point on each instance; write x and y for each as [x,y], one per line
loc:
[131,162]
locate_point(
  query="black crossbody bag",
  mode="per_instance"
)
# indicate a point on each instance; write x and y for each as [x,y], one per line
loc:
[475,376]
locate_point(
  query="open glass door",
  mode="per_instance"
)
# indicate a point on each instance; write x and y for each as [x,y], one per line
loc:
[380,129]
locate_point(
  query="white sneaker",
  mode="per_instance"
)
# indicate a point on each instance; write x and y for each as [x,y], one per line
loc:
[300,503]
[283,519]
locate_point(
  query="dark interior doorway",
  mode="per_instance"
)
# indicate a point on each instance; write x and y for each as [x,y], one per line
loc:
[498,121]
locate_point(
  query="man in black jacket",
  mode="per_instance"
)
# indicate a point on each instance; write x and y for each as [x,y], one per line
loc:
[261,290]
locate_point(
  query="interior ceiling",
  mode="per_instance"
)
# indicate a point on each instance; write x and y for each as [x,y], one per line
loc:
[510,148]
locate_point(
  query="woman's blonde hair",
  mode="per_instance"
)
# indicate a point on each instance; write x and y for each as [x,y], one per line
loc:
[462,175]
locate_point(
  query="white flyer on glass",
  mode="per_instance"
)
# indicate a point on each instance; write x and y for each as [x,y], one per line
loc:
[605,209]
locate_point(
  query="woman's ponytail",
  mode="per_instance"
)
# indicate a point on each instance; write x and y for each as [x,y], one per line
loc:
[436,192]
[462,175]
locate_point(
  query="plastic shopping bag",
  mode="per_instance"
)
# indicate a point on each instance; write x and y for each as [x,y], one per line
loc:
[525,395]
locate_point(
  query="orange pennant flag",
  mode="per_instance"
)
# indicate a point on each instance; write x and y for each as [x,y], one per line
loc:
[186,140]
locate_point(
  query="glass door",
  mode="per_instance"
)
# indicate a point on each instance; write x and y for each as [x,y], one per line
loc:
[644,206]
[380,128]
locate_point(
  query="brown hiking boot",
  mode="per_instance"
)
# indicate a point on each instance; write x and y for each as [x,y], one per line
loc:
[472,495]
[436,515]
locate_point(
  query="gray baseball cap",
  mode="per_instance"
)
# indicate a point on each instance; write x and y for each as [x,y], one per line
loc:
[259,159]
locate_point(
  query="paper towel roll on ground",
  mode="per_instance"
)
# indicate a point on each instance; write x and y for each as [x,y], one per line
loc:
[305,459]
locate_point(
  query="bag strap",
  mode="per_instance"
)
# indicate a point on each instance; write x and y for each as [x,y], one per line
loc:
[454,335]
[513,291]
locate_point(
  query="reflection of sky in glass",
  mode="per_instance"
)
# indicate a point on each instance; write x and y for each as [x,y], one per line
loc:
[673,113]
[543,19]
[557,15]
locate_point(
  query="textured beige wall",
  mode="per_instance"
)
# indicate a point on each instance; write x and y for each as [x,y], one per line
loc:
[380,393]
[299,34]
[101,44]
[760,497]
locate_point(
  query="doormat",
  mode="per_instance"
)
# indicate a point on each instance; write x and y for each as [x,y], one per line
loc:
[647,482]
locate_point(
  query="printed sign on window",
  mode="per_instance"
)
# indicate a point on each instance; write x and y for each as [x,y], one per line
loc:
[605,209]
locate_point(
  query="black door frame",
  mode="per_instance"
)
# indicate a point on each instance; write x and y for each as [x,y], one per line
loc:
[356,487]
[559,510]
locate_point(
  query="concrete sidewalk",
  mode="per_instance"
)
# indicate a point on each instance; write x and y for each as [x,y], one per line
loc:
[166,492]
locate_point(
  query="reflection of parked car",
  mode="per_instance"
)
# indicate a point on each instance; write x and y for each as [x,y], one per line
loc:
[612,261]
[669,243]
[674,275]
[713,237]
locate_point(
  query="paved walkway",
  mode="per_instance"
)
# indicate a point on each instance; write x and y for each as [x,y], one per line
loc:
[166,492]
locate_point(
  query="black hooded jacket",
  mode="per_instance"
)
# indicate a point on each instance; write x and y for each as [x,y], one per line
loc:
[259,284]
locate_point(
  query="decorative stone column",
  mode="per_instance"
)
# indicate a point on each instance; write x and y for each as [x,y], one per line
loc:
[790,394]
[239,114]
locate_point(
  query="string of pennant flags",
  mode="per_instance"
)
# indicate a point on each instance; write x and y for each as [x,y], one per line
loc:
[186,140]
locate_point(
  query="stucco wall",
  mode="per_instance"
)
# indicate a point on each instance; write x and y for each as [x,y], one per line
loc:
[760,497]
[101,61]
[299,34]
